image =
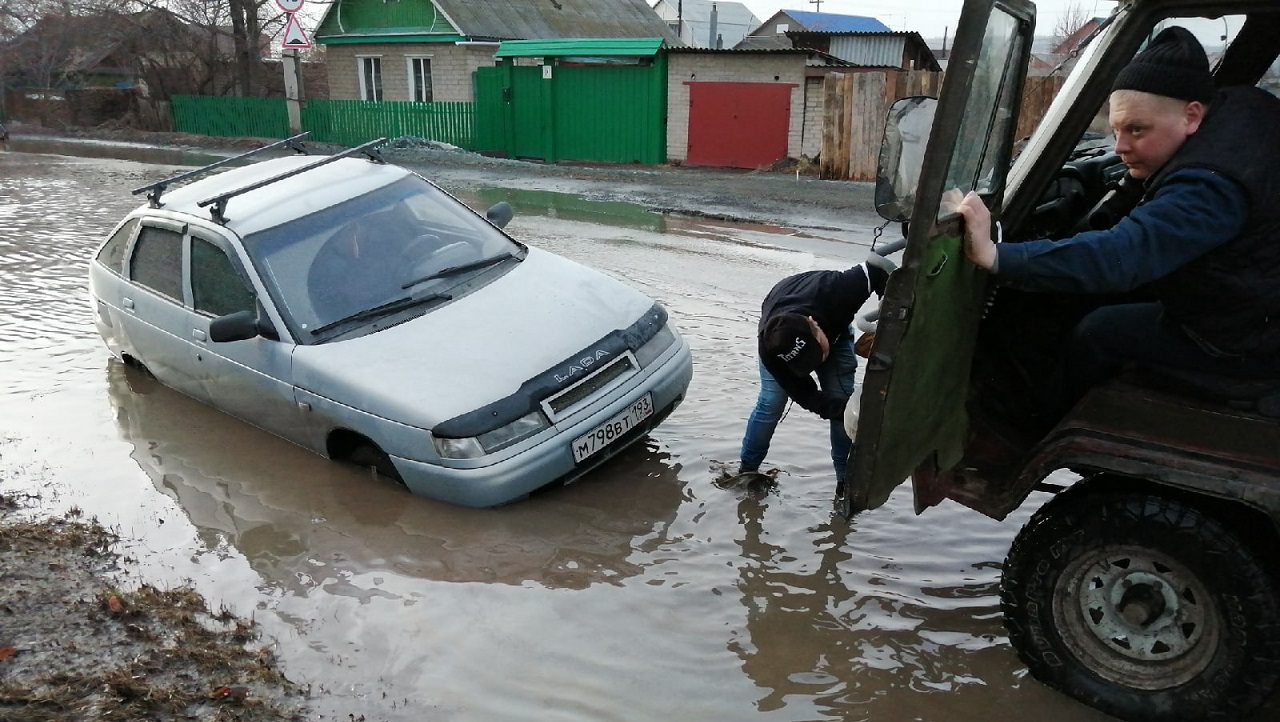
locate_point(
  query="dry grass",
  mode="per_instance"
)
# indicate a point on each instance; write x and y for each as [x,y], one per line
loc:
[91,651]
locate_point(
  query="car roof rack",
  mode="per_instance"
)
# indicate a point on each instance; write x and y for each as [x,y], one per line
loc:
[219,202]
[155,190]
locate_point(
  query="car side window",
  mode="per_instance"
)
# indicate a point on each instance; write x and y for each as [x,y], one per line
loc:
[216,288]
[157,261]
[112,253]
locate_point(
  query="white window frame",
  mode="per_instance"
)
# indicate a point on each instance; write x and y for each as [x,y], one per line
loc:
[410,63]
[367,93]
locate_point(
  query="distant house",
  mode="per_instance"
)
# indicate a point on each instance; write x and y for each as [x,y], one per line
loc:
[112,50]
[428,50]
[152,51]
[860,41]
[707,23]
[773,33]
[1054,54]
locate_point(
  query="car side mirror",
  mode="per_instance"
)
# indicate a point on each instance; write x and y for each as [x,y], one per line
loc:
[239,326]
[500,214]
[906,136]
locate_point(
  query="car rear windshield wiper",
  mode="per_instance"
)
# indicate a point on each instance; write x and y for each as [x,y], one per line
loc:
[460,268]
[382,309]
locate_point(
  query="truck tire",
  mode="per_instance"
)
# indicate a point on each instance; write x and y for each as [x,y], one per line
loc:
[1142,606]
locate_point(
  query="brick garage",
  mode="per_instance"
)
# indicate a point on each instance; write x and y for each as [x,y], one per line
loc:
[717,75]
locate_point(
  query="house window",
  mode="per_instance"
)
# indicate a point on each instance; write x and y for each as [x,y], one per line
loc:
[420,80]
[370,78]
[783,27]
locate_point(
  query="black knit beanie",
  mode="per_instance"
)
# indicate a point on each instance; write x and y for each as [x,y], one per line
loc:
[788,337]
[1173,65]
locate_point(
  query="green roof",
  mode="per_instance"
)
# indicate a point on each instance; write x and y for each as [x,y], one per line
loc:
[579,46]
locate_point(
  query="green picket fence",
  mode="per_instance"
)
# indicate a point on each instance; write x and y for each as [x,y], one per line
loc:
[231,116]
[352,122]
[344,122]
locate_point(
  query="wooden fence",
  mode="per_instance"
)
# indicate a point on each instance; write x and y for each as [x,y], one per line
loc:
[855,106]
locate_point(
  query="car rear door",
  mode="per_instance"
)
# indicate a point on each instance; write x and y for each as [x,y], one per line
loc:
[912,409]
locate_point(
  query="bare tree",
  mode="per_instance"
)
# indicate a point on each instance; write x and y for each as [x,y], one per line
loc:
[1072,18]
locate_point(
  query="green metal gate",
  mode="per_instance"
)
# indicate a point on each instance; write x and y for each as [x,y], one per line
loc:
[601,100]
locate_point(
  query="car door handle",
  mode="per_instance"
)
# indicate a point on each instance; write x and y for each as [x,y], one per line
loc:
[199,335]
[127,303]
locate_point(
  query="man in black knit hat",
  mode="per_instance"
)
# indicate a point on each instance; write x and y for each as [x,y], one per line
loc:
[804,331]
[1205,236]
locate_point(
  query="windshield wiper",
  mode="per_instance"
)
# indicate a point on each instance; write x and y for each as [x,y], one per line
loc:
[460,268]
[382,309]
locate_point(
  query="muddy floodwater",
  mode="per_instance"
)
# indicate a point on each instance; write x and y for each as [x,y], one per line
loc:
[642,592]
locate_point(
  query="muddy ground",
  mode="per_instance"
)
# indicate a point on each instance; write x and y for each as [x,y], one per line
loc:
[788,193]
[82,639]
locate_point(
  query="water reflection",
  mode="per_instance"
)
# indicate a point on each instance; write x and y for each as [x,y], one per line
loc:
[82,148]
[305,522]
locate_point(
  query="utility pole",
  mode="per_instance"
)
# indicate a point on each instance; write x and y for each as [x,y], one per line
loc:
[817,5]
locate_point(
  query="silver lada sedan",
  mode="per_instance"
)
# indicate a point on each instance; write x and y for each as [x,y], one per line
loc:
[354,308]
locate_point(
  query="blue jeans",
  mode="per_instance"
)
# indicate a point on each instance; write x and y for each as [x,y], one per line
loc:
[835,378]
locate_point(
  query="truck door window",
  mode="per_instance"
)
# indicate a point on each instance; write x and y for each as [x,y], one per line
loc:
[991,109]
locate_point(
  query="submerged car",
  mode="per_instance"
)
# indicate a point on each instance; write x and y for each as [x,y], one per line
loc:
[1149,586]
[356,309]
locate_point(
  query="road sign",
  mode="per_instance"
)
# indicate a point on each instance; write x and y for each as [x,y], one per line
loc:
[295,38]
[289,6]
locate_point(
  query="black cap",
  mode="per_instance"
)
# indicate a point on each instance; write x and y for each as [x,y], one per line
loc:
[1173,65]
[788,337]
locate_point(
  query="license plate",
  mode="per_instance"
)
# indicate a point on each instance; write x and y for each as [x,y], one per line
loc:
[613,429]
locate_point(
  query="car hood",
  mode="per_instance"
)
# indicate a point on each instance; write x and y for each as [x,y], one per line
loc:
[475,350]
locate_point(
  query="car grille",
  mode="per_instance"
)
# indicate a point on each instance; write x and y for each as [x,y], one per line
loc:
[587,387]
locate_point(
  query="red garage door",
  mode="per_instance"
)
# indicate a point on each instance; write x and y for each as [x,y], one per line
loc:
[738,125]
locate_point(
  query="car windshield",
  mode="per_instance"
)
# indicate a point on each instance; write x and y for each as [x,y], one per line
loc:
[404,241]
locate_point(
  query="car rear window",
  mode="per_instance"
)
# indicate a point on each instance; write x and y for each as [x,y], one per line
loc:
[157,261]
[112,253]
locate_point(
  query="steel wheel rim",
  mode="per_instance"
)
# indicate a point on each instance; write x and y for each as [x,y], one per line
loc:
[1137,616]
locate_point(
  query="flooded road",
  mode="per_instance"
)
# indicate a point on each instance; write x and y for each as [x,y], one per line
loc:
[642,592]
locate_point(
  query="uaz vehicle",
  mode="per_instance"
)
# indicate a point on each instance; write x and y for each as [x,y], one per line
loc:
[1148,588]
[354,308]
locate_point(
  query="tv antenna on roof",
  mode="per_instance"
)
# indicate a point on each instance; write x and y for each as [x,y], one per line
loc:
[817,5]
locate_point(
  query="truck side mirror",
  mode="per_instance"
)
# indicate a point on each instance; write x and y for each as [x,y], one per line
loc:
[906,135]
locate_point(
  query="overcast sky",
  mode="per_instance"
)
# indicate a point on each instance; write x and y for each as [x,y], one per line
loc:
[930,18]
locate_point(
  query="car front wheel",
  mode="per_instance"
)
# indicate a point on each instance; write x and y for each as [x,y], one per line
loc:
[1142,606]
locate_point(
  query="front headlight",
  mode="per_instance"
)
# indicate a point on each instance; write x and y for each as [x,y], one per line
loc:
[656,346]
[491,441]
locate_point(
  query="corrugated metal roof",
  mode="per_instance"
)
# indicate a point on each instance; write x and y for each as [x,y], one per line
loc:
[831,23]
[545,19]
[875,50]
[579,46]
[815,58]
[495,19]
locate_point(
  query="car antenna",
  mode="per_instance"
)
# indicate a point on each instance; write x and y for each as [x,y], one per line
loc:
[219,202]
[155,190]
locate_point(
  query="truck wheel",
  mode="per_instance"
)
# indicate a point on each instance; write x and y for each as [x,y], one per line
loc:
[1142,606]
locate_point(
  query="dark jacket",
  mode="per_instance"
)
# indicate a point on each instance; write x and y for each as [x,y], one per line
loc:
[832,298]
[1230,297]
